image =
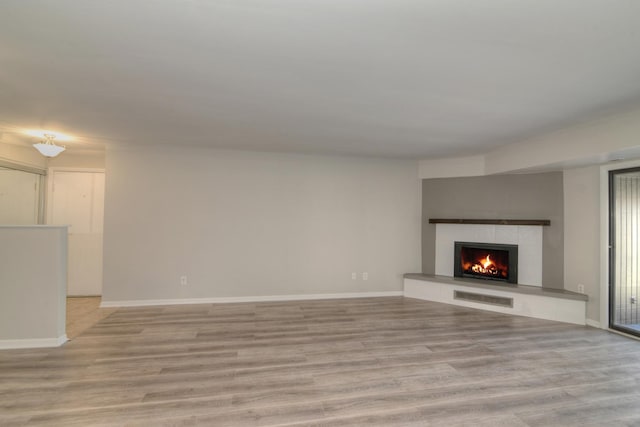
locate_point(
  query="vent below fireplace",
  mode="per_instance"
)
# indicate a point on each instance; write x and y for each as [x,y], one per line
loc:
[488,261]
[485,299]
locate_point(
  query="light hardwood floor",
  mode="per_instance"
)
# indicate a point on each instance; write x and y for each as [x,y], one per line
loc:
[378,361]
[82,313]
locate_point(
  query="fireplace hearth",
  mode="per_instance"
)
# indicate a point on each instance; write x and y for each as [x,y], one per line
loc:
[487,261]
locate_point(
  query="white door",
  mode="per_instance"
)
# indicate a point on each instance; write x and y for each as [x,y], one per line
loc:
[19,197]
[77,200]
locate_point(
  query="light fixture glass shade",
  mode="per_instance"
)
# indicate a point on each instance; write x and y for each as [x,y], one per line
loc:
[48,149]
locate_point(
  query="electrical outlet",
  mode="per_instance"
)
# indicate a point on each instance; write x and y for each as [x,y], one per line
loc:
[354,276]
[365,276]
[183,280]
[581,288]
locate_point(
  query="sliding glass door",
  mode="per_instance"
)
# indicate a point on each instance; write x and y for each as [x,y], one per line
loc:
[624,258]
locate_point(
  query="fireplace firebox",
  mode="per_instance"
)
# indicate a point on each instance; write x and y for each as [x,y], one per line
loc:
[488,261]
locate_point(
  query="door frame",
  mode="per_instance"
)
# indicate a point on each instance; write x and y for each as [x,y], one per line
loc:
[605,276]
[612,253]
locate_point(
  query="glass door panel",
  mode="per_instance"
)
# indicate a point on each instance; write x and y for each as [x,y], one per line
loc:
[624,263]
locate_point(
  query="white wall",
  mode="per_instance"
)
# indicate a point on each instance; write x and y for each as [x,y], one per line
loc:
[244,224]
[78,159]
[452,167]
[594,141]
[33,281]
[582,235]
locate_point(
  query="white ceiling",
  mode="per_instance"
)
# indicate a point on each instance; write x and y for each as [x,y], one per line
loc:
[395,78]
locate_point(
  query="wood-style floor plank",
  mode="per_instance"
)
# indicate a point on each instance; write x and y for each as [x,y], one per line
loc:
[374,361]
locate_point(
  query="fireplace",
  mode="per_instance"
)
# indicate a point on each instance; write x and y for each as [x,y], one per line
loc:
[488,261]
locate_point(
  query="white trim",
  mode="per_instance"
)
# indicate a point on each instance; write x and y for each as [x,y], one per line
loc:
[11,164]
[593,324]
[33,226]
[73,169]
[33,343]
[266,298]
[604,245]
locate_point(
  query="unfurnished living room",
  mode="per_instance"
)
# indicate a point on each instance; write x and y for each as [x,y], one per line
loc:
[320,213]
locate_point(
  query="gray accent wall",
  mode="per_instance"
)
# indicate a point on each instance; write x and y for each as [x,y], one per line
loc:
[522,196]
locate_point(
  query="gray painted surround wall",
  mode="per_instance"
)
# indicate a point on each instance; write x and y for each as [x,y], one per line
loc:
[523,196]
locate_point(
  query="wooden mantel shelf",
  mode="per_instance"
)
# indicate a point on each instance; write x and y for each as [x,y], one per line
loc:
[540,222]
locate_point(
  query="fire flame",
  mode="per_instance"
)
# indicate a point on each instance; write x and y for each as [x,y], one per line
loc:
[485,266]
[487,262]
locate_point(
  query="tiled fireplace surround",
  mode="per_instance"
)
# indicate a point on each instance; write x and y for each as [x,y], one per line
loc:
[527,237]
[529,298]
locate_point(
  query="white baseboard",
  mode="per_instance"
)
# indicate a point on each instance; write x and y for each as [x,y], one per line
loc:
[33,343]
[266,298]
[594,323]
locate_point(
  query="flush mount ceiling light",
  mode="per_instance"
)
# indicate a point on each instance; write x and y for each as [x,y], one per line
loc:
[47,147]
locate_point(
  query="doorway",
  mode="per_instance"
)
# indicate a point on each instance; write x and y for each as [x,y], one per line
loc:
[76,199]
[624,250]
